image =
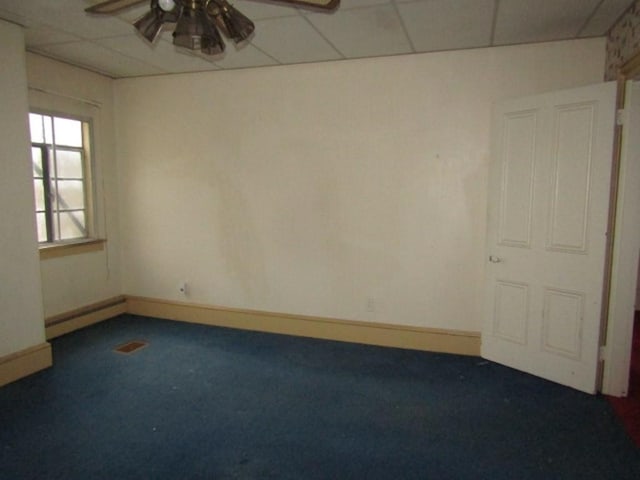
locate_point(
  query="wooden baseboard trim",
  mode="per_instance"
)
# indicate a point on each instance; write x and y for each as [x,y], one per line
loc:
[85,316]
[387,335]
[25,362]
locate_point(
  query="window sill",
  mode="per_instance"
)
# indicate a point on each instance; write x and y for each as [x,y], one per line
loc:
[72,248]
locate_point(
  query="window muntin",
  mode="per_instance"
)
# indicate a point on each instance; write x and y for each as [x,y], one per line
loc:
[60,159]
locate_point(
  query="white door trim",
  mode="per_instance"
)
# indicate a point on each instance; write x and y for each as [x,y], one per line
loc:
[626,240]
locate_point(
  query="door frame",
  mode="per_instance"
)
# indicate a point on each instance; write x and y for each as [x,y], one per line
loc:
[616,324]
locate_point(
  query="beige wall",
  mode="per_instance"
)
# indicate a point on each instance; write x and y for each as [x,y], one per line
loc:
[353,189]
[21,315]
[75,281]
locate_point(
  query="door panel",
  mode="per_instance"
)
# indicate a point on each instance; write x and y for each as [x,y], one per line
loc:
[516,202]
[548,207]
[562,322]
[511,310]
[571,167]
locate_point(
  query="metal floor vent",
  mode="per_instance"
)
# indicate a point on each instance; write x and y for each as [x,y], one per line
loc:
[131,347]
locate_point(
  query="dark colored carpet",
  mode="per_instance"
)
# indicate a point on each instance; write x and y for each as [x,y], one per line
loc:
[628,408]
[213,403]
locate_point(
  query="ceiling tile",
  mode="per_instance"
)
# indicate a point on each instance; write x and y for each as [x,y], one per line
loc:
[364,32]
[256,10]
[608,12]
[522,21]
[13,16]
[162,54]
[40,9]
[99,58]
[66,15]
[242,57]
[132,14]
[349,4]
[87,26]
[274,38]
[42,35]
[448,24]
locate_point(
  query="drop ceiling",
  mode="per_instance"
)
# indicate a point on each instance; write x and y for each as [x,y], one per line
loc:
[287,35]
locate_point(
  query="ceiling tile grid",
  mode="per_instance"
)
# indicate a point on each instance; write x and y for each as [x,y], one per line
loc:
[376,30]
[471,20]
[280,37]
[287,35]
[604,17]
[523,21]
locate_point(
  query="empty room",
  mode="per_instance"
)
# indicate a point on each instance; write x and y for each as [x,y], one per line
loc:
[320,239]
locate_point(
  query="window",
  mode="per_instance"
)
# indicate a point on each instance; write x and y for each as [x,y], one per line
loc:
[61,176]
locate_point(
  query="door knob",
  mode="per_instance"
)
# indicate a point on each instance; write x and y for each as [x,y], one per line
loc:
[494,259]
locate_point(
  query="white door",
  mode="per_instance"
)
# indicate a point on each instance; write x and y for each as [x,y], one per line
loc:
[547,220]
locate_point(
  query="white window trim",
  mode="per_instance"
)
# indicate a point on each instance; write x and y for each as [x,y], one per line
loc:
[49,103]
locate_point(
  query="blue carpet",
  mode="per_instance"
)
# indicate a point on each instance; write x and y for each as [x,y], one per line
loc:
[215,403]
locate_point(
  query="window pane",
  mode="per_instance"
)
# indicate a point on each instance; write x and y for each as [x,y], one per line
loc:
[36,157]
[69,164]
[35,125]
[72,225]
[41,221]
[38,189]
[62,167]
[68,132]
[70,194]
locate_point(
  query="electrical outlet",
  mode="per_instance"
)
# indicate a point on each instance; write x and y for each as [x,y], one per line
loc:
[370,305]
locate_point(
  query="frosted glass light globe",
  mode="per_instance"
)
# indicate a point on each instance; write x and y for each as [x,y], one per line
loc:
[166,5]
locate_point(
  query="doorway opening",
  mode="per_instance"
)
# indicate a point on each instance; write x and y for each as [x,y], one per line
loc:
[628,284]
[628,408]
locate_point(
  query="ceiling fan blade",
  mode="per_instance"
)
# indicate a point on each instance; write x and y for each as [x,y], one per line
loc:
[323,4]
[112,6]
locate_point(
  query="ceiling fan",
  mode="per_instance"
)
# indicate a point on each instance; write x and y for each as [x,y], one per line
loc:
[197,22]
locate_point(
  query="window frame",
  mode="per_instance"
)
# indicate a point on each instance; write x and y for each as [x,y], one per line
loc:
[91,242]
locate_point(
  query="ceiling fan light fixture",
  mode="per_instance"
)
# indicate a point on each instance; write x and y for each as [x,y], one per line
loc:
[235,24]
[195,31]
[212,44]
[149,25]
[167,5]
[197,21]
